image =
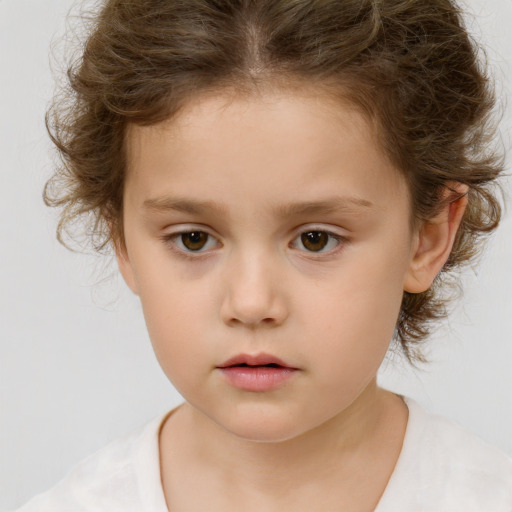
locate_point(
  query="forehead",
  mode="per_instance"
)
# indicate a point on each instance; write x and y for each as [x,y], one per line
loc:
[266,145]
[297,114]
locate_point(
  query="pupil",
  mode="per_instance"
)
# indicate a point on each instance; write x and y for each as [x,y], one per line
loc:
[194,240]
[314,240]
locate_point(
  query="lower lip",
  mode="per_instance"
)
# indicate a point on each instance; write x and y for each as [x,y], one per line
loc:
[258,378]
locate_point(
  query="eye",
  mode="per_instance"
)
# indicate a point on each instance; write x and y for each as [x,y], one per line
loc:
[316,241]
[194,241]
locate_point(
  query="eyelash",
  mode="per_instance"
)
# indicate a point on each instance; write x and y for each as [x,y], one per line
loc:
[174,239]
[340,241]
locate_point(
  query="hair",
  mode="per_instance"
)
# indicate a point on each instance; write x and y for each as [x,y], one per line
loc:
[408,65]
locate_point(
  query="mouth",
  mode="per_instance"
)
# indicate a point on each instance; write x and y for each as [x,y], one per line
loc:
[258,373]
[255,361]
[244,365]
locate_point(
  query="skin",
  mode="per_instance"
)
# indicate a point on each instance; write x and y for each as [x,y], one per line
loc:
[254,174]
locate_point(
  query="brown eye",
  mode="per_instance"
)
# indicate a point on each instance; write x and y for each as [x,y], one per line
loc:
[314,241]
[194,240]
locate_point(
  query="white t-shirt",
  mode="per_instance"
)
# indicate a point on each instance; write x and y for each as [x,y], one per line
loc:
[441,468]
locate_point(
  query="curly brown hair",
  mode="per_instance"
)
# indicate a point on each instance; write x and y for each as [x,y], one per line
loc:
[409,65]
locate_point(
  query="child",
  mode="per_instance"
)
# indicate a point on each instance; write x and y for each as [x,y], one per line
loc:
[287,187]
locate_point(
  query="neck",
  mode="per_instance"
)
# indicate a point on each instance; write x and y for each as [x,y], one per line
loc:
[336,449]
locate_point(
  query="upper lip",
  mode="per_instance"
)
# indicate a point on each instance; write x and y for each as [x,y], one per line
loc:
[254,360]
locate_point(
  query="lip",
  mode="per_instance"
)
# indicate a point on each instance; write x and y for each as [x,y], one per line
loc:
[250,373]
[255,360]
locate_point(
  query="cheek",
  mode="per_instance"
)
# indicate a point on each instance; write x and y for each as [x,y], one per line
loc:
[173,316]
[364,296]
[352,317]
[176,327]
[178,312]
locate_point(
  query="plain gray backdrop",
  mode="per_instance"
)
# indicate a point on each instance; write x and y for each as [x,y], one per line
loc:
[76,365]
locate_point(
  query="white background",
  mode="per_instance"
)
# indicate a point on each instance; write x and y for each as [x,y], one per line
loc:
[76,366]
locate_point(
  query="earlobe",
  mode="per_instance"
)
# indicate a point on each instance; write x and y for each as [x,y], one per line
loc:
[435,239]
[125,267]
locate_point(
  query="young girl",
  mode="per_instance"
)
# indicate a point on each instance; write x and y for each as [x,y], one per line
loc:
[287,186]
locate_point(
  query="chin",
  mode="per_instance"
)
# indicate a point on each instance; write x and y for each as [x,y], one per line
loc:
[263,433]
[262,426]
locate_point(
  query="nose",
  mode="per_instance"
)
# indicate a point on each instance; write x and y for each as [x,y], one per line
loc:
[254,295]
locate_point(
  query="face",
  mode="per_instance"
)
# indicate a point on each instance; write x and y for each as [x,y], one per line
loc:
[266,231]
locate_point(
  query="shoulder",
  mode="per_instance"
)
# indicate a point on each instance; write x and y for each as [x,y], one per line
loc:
[444,467]
[116,478]
[459,456]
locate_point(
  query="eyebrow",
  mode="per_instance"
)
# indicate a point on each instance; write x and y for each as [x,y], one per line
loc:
[163,204]
[197,207]
[325,206]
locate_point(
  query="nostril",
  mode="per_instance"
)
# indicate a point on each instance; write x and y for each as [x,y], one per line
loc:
[253,310]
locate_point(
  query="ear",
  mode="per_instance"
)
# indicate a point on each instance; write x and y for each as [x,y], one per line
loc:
[434,240]
[125,266]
